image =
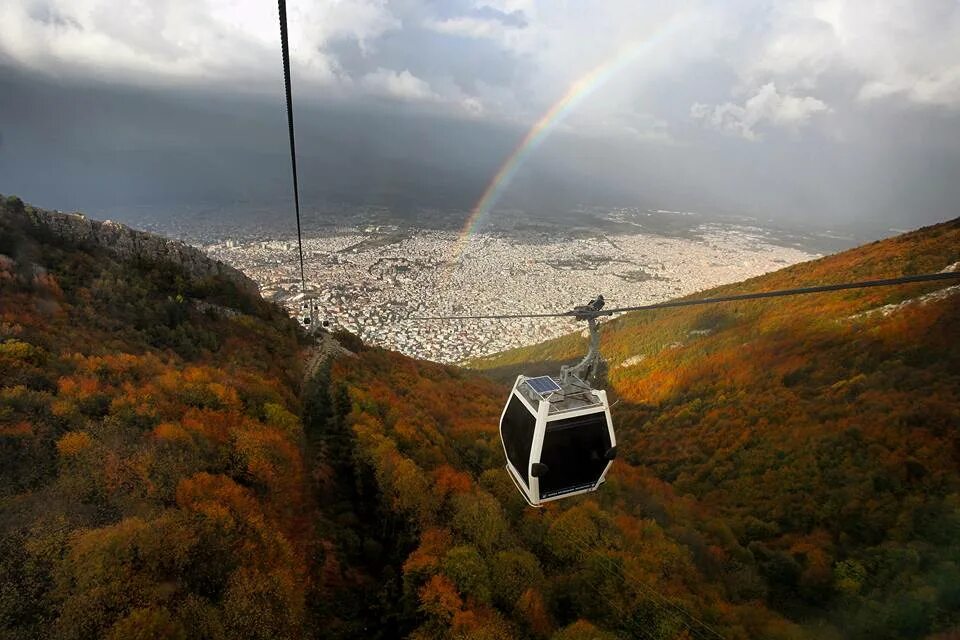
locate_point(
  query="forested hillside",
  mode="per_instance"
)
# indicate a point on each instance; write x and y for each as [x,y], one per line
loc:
[171,468]
[152,481]
[822,431]
[634,560]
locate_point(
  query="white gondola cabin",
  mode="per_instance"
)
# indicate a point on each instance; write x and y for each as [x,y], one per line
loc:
[558,437]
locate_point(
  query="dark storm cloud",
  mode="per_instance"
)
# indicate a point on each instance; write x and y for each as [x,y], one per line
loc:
[841,110]
[104,147]
[428,54]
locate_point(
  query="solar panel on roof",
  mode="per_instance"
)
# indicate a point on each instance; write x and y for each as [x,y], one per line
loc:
[543,384]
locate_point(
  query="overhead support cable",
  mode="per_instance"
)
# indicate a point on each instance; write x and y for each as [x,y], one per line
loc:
[580,313]
[284,43]
[888,282]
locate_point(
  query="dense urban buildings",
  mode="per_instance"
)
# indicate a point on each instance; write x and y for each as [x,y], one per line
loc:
[376,280]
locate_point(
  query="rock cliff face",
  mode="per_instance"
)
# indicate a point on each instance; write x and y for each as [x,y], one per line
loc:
[130,243]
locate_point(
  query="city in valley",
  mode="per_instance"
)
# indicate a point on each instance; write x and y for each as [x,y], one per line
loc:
[376,280]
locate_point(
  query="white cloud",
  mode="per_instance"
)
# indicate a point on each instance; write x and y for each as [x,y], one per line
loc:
[468,26]
[940,88]
[153,42]
[472,106]
[768,64]
[624,125]
[846,52]
[892,48]
[402,86]
[504,29]
[768,106]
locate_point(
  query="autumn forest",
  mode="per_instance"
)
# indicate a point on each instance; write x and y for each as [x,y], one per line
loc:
[178,459]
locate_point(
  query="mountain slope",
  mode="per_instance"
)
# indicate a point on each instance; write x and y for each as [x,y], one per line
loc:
[479,563]
[821,429]
[152,480]
[787,471]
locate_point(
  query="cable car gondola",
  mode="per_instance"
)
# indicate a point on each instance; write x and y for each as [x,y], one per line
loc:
[309,305]
[557,437]
[556,433]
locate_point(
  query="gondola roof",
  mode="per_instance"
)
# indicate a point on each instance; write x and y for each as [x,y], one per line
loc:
[572,395]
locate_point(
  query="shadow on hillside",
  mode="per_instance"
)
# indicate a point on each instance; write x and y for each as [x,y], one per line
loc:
[508,373]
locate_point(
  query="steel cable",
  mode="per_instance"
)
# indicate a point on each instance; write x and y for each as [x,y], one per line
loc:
[579,313]
[284,44]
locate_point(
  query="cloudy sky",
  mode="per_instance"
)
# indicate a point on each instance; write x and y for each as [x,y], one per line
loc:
[806,110]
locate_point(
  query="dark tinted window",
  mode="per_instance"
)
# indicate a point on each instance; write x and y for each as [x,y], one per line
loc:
[574,449]
[516,429]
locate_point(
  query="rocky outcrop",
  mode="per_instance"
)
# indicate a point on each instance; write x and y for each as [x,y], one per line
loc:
[130,243]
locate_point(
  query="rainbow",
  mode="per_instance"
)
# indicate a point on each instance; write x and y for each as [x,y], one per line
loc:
[576,93]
